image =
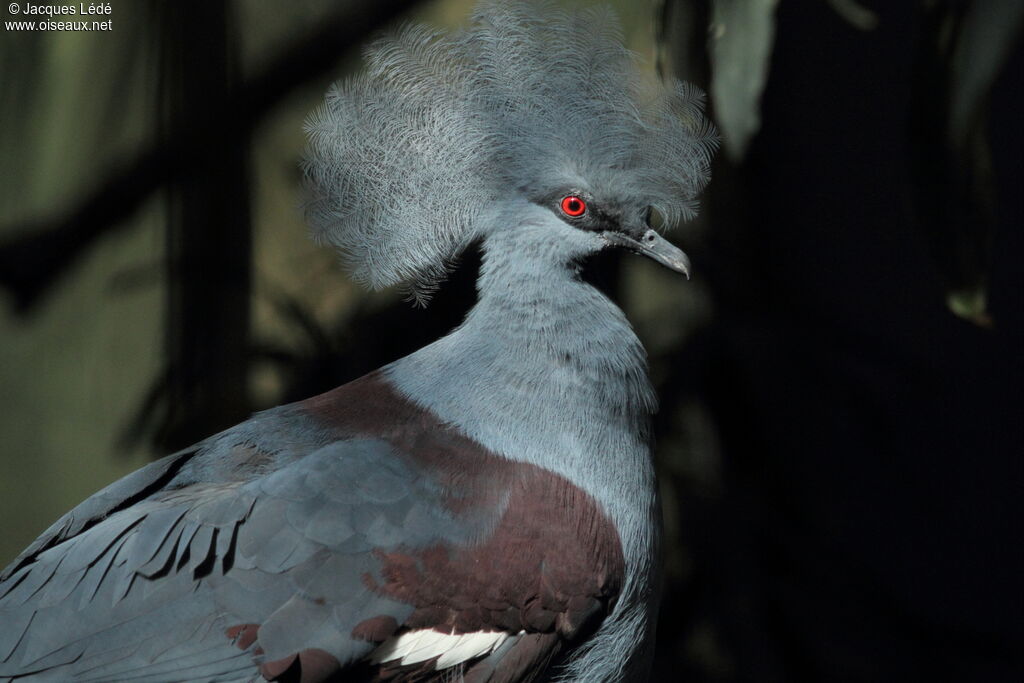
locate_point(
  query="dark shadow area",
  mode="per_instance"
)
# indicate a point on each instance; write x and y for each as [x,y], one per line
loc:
[869,521]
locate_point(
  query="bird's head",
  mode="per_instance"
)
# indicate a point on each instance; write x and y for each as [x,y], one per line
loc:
[533,121]
[613,222]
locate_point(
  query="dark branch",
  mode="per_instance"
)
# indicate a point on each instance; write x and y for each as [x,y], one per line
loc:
[44,249]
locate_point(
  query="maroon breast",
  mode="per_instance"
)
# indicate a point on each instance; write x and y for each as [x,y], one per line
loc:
[550,560]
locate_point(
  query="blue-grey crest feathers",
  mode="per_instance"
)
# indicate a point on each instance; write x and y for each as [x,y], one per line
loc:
[407,160]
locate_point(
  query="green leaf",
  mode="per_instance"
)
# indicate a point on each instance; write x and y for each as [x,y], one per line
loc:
[741,37]
[987,35]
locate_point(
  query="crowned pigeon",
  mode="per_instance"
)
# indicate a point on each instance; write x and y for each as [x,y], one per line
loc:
[483,510]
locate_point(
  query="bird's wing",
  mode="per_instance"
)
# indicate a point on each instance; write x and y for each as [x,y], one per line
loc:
[168,587]
[118,495]
[401,553]
[253,447]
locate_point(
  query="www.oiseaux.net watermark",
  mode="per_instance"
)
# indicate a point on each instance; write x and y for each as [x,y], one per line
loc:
[83,16]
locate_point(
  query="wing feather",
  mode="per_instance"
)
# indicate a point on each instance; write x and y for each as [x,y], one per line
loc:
[118,495]
[150,590]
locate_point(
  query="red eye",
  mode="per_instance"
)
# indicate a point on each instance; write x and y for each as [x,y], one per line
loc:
[573,206]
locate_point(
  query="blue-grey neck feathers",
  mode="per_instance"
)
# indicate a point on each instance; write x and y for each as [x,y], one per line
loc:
[408,161]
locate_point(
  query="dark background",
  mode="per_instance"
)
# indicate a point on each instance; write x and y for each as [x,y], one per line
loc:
[840,433]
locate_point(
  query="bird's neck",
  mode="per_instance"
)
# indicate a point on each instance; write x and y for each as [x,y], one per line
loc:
[545,369]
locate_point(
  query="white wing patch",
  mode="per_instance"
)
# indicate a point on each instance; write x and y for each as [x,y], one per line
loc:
[417,646]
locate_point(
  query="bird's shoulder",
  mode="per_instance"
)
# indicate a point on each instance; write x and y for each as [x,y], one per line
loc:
[267,442]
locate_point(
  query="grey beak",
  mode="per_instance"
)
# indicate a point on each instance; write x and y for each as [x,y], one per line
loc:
[653,246]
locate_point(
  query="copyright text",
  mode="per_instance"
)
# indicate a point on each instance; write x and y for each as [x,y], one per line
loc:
[54,17]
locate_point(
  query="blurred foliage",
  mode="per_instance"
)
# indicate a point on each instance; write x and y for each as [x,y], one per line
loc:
[963,49]
[740,47]
[160,285]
